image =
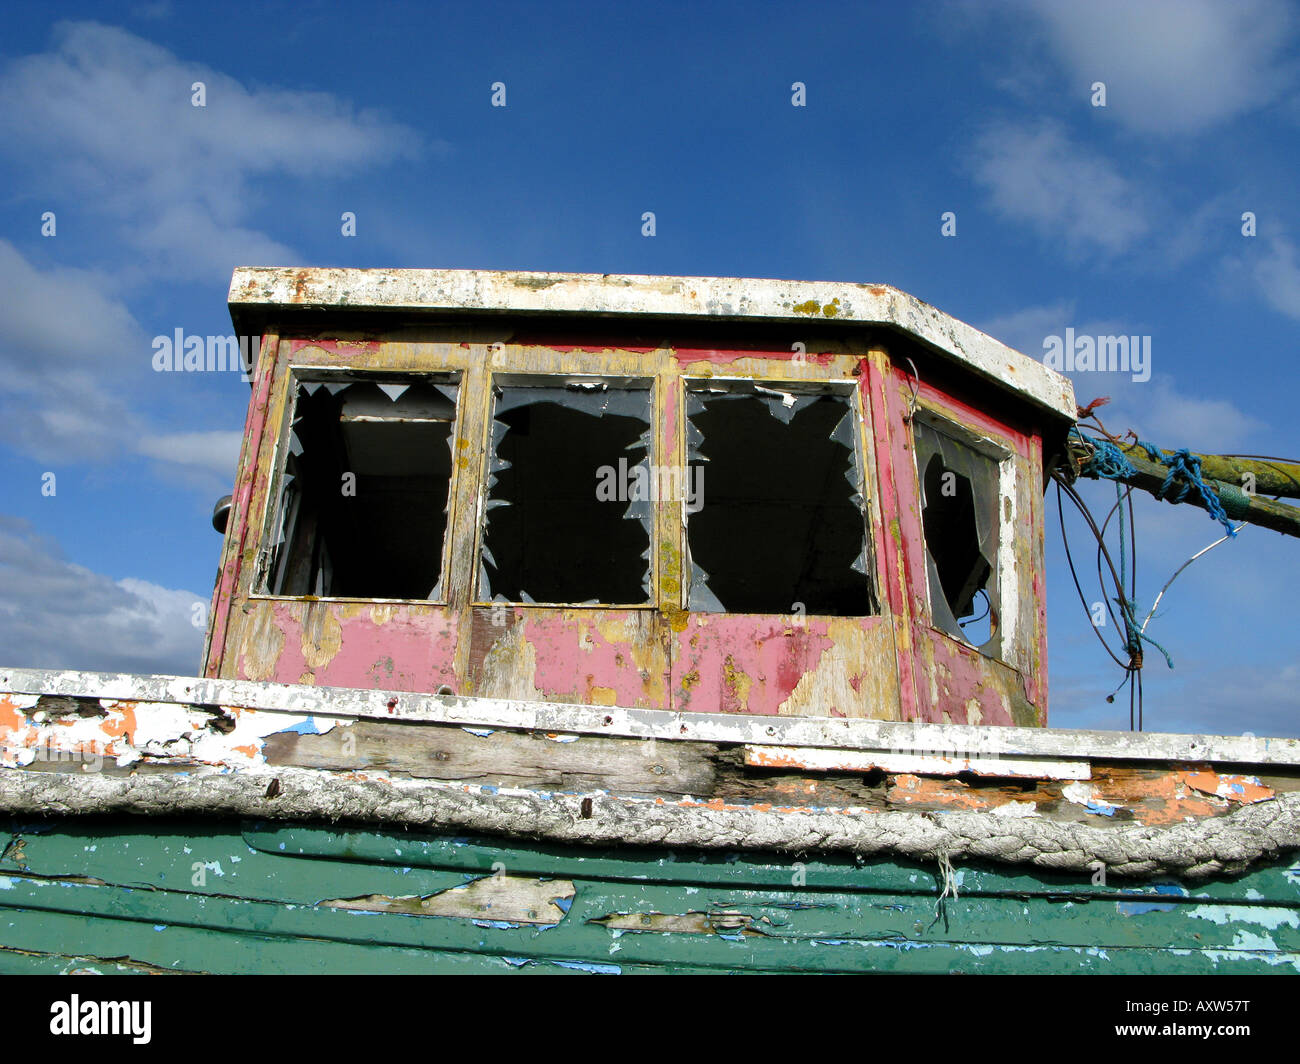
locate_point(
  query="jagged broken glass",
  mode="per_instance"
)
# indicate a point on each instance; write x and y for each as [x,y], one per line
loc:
[365,489]
[567,517]
[959,513]
[781,528]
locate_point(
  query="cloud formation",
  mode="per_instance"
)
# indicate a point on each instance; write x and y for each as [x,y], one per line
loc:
[1037,176]
[1174,67]
[56,614]
[110,120]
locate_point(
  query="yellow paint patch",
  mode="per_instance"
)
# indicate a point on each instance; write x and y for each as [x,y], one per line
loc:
[262,645]
[322,635]
[737,683]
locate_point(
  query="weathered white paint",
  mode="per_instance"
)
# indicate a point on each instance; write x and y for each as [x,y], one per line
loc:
[299,702]
[258,293]
[819,759]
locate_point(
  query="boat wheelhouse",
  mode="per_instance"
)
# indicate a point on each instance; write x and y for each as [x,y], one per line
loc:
[673,493]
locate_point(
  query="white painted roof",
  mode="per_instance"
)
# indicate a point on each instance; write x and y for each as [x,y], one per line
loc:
[257,292]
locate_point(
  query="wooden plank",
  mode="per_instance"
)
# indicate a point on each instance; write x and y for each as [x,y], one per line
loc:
[547,761]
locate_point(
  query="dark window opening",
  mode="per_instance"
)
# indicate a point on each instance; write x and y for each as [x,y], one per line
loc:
[959,514]
[363,507]
[780,527]
[565,520]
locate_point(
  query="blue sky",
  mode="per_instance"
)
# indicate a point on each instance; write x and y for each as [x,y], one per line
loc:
[1123,219]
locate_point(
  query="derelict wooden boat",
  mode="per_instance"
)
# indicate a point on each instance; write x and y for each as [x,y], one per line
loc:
[462,712]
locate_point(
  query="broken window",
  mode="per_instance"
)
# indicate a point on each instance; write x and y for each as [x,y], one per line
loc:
[959,513]
[778,523]
[364,492]
[568,513]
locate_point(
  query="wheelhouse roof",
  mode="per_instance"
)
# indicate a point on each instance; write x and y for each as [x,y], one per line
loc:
[260,295]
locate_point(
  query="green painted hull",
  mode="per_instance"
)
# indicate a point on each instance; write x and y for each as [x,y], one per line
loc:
[130,895]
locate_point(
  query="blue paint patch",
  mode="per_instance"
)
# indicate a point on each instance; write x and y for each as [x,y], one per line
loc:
[594,969]
[565,904]
[482,733]
[1137,908]
[306,727]
[160,927]
[1103,810]
[500,924]
[517,962]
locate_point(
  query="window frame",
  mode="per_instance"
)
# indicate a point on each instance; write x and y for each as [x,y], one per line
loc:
[502,379]
[297,374]
[864,459]
[1000,451]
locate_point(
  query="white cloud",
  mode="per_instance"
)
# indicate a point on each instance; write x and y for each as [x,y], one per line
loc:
[104,120]
[214,452]
[190,244]
[1173,67]
[55,614]
[1036,176]
[1157,408]
[1164,413]
[61,372]
[1025,329]
[59,319]
[106,116]
[1278,276]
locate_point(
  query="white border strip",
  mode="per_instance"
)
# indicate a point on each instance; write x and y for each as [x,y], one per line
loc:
[264,288]
[836,733]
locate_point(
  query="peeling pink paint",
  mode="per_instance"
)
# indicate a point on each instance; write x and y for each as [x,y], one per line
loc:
[573,658]
[342,349]
[415,650]
[687,355]
[733,663]
[254,425]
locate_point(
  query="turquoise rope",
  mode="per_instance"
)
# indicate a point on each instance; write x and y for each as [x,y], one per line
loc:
[1185,464]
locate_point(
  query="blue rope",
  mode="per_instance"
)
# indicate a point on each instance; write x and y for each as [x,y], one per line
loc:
[1107,460]
[1185,464]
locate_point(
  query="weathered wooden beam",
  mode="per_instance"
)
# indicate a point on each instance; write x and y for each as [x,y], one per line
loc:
[1264,477]
[1150,477]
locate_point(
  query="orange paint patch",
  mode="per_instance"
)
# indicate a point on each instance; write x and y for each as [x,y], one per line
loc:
[916,790]
[120,726]
[1160,797]
[11,717]
[1244,789]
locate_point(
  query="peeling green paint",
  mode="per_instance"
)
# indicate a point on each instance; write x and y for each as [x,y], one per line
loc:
[81,883]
